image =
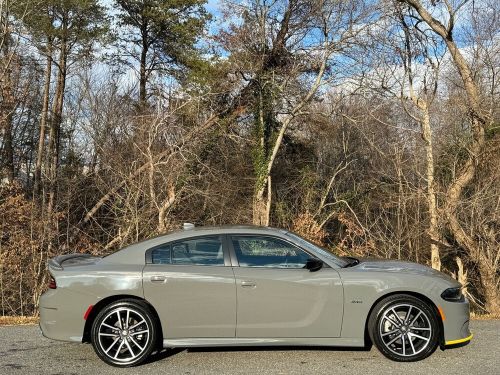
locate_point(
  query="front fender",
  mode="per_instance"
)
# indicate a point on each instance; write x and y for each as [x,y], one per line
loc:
[362,290]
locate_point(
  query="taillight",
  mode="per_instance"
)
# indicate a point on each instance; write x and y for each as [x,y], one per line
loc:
[87,313]
[52,283]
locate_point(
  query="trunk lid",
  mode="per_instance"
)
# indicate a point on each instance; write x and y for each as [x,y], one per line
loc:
[70,260]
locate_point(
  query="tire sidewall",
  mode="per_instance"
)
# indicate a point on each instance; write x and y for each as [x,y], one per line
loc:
[148,316]
[395,300]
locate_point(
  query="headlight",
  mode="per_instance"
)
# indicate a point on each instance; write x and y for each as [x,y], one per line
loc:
[453,295]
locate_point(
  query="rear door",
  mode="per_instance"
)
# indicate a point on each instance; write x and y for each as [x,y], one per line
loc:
[277,297]
[191,284]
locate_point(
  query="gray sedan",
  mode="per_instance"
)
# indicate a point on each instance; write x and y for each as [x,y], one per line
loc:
[248,286]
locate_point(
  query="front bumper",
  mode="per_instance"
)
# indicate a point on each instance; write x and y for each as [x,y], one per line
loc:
[459,342]
[455,317]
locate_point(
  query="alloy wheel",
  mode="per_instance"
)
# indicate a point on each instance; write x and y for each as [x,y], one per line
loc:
[405,330]
[124,334]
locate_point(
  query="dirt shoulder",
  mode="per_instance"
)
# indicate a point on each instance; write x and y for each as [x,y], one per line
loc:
[18,320]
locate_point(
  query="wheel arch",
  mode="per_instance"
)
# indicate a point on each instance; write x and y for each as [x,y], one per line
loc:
[86,338]
[413,294]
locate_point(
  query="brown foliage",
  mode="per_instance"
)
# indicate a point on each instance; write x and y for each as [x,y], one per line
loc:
[305,225]
[340,160]
[23,238]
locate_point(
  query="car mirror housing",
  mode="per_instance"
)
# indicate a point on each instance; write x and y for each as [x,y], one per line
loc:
[314,264]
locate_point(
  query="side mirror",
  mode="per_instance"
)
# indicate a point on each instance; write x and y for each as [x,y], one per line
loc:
[313,264]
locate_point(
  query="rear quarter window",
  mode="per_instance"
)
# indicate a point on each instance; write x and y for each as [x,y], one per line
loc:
[201,251]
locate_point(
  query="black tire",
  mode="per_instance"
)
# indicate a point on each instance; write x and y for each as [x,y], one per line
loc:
[130,344]
[402,337]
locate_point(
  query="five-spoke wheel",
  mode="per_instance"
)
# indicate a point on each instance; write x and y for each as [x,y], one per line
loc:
[404,328]
[124,333]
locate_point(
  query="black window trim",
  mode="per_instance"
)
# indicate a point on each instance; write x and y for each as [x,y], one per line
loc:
[220,237]
[236,263]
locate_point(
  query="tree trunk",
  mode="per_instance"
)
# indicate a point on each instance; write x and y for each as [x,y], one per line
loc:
[431,195]
[163,209]
[462,275]
[262,204]
[143,74]
[55,127]
[490,286]
[422,103]
[7,106]
[43,121]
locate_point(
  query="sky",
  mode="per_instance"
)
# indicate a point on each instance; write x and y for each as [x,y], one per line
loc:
[214,7]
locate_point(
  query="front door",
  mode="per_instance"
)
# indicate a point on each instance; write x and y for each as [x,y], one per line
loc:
[192,287]
[277,297]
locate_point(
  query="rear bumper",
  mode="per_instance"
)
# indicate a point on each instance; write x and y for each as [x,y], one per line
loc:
[61,322]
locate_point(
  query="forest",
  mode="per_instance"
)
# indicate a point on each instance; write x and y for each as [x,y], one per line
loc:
[370,127]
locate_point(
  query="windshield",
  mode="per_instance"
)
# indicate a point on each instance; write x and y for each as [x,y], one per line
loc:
[318,250]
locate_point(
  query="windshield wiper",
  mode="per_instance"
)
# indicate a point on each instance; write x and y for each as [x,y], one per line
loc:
[351,262]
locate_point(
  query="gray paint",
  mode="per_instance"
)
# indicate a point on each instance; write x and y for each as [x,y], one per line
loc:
[193,301]
[288,303]
[205,305]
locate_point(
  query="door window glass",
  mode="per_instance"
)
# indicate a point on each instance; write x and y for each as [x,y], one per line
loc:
[258,251]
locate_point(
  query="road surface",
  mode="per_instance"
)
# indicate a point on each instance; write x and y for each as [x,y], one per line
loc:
[23,350]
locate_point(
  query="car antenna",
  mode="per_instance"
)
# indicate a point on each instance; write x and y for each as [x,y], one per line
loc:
[187,226]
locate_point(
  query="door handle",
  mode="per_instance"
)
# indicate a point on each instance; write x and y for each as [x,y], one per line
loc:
[158,279]
[248,284]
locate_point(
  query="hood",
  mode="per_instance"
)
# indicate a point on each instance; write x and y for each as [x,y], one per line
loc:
[387,265]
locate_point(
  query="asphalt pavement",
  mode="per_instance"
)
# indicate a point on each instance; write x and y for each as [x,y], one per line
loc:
[23,350]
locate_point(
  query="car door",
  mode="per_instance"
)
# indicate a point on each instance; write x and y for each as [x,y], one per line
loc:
[277,297]
[191,284]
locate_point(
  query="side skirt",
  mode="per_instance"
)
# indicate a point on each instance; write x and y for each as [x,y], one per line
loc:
[305,341]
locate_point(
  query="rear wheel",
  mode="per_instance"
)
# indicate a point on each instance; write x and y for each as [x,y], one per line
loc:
[404,328]
[124,333]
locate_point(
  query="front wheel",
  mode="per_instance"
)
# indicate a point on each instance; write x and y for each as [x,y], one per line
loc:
[124,333]
[404,328]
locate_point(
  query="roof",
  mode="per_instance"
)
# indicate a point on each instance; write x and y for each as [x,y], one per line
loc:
[129,253]
[183,233]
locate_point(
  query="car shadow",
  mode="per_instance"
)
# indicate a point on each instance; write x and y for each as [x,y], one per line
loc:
[163,354]
[278,348]
[170,352]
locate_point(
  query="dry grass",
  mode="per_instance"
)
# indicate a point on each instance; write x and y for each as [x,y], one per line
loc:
[476,316]
[18,320]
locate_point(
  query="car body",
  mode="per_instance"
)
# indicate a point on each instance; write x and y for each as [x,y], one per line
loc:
[248,286]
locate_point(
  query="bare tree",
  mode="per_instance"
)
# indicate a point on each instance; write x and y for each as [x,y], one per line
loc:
[479,122]
[291,45]
[9,59]
[361,125]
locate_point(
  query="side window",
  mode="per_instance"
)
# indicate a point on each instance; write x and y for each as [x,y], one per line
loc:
[161,255]
[202,251]
[258,251]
